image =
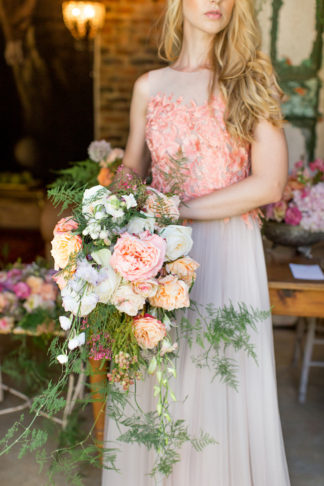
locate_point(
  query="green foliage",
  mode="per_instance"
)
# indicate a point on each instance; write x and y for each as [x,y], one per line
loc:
[217,328]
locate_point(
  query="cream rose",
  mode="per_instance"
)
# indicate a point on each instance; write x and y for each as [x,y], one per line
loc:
[184,268]
[178,240]
[126,300]
[63,246]
[35,283]
[109,281]
[146,288]
[148,331]
[172,294]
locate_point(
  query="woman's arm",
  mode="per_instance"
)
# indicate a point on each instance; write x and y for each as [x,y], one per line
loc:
[269,167]
[136,153]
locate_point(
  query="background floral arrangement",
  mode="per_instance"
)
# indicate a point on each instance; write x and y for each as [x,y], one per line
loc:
[29,298]
[303,200]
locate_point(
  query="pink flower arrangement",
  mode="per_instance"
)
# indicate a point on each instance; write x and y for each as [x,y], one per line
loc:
[27,290]
[303,199]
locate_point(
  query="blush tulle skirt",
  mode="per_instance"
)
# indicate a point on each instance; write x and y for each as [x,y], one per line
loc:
[245,423]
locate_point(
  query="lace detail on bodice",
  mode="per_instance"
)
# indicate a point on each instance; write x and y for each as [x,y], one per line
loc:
[197,134]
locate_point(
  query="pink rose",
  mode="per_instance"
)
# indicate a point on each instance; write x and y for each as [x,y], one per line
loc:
[148,331]
[22,290]
[65,224]
[158,205]
[293,216]
[138,258]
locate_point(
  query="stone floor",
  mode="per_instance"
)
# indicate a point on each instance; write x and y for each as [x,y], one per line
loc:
[303,427]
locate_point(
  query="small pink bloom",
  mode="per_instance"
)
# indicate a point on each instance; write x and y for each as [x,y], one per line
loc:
[293,216]
[48,291]
[22,290]
[299,164]
[6,323]
[65,224]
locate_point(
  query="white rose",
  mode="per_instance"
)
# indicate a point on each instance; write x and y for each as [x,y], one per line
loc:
[130,201]
[65,323]
[62,358]
[138,225]
[179,241]
[109,281]
[92,198]
[102,257]
[126,300]
[113,207]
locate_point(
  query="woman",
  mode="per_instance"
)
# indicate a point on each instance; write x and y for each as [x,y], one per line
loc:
[217,105]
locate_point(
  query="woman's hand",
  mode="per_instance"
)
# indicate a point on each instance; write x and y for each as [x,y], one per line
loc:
[269,168]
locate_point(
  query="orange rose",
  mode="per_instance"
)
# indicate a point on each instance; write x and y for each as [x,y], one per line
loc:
[148,331]
[172,294]
[105,177]
[63,246]
[184,268]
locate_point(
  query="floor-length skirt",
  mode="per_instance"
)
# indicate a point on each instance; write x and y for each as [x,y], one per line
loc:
[245,423]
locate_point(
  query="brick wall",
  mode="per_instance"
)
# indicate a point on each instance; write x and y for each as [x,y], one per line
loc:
[126,48]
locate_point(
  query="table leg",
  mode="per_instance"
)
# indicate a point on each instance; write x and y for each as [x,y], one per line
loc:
[298,341]
[307,358]
[98,376]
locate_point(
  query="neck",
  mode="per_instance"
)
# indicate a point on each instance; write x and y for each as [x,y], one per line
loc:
[196,49]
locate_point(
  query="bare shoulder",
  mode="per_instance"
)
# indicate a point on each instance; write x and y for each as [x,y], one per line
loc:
[264,129]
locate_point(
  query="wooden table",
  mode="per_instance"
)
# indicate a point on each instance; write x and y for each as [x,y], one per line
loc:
[301,298]
[293,297]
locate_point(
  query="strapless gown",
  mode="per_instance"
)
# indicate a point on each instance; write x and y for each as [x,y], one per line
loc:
[245,423]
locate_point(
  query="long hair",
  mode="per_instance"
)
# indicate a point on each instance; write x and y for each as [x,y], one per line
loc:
[244,74]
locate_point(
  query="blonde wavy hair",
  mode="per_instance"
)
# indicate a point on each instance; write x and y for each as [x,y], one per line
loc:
[244,74]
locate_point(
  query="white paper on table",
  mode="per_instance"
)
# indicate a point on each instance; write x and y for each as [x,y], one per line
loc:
[306,272]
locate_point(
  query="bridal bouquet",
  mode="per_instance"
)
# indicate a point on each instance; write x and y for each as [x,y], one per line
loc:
[123,267]
[124,271]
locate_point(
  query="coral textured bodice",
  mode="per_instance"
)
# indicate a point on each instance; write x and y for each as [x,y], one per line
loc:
[189,128]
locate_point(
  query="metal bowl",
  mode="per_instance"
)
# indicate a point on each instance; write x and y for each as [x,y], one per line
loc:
[287,235]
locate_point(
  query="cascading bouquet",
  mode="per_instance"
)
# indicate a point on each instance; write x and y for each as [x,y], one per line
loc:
[124,271]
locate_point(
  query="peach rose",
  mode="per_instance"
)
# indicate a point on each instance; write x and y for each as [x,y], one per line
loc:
[291,186]
[172,294]
[184,268]
[138,258]
[159,205]
[146,288]
[148,331]
[35,283]
[6,323]
[105,176]
[63,246]
[65,224]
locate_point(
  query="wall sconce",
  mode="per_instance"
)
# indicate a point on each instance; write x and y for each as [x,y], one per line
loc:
[83,19]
